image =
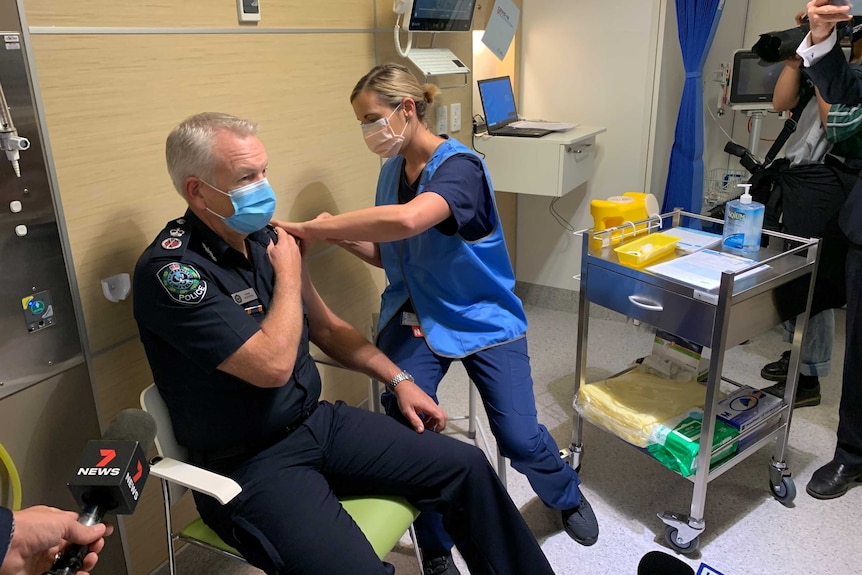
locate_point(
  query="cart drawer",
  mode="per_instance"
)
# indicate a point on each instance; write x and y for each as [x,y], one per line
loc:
[669,311]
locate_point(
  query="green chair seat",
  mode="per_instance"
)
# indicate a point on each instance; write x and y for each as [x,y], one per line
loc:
[383,520]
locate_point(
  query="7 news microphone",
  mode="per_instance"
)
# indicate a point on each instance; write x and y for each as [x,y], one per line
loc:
[110,478]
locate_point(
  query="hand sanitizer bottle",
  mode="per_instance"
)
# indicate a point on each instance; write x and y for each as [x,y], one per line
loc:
[743,223]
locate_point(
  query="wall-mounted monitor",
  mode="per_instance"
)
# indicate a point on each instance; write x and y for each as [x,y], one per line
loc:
[442,15]
[752,81]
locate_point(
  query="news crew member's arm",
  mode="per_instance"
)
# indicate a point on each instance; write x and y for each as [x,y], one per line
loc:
[40,533]
[340,341]
[825,62]
[786,94]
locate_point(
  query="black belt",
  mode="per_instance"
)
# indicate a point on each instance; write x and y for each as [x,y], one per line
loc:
[229,457]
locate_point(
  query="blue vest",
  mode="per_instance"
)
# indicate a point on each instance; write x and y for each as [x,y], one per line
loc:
[462,291]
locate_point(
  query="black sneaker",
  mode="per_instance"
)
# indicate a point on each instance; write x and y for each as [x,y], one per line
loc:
[777,370]
[581,524]
[807,391]
[440,565]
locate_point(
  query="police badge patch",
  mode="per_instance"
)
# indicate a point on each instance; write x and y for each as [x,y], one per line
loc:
[183,283]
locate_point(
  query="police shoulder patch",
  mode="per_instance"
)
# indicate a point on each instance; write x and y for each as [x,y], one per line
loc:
[182,282]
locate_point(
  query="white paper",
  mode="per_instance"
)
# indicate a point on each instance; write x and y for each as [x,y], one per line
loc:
[501,27]
[553,126]
[691,240]
[703,269]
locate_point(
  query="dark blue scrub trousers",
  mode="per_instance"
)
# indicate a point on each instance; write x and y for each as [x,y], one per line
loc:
[502,376]
[287,519]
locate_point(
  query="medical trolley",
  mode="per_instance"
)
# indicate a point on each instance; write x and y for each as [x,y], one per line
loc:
[743,306]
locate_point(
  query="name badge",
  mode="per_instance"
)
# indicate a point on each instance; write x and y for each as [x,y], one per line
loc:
[243,296]
[408,318]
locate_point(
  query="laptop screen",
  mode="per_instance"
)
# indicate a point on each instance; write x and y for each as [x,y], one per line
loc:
[498,101]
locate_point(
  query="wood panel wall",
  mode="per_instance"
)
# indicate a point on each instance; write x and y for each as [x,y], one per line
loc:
[116,75]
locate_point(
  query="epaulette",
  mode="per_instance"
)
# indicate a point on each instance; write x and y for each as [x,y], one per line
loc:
[173,240]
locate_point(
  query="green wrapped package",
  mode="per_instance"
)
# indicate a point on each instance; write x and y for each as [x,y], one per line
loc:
[677,447]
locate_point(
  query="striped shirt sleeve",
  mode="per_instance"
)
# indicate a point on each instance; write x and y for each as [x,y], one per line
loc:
[843,122]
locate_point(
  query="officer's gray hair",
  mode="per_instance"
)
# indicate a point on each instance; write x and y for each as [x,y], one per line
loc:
[188,149]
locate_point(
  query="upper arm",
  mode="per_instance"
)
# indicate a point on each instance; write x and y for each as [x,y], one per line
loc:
[426,211]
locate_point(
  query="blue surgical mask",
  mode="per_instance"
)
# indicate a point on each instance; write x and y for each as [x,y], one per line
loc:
[253,206]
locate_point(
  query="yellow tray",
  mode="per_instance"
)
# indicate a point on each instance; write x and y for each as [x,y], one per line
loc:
[646,249]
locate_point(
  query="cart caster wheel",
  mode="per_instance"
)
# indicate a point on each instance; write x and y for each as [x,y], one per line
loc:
[785,492]
[670,535]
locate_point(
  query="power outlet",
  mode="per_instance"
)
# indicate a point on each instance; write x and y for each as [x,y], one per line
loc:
[455,118]
[442,119]
[248,10]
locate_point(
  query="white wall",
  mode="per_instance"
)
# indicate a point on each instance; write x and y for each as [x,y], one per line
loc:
[580,64]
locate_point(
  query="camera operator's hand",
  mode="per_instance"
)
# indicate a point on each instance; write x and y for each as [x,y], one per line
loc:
[822,17]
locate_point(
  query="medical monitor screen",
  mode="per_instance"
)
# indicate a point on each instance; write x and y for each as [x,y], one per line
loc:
[751,80]
[442,15]
[498,101]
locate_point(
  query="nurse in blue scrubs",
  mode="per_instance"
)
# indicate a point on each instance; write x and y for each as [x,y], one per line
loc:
[436,232]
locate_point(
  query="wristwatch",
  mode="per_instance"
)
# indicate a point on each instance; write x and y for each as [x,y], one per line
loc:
[393,383]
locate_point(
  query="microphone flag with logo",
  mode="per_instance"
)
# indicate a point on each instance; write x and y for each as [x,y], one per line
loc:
[112,470]
[110,477]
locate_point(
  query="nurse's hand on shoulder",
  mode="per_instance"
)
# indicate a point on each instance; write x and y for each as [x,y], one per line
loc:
[302,230]
[419,409]
[293,228]
[285,255]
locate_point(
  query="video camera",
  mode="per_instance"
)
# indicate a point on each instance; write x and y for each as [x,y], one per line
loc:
[778,46]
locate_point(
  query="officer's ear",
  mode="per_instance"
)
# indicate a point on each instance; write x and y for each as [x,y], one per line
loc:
[192,192]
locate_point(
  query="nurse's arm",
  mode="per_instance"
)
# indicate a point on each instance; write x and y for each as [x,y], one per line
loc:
[378,224]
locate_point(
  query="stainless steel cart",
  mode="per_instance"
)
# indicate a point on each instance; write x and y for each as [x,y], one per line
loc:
[739,309]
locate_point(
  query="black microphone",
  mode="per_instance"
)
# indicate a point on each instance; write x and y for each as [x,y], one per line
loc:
[110,478]
[658,563]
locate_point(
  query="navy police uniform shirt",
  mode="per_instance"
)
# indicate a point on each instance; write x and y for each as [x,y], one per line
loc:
[460,180]
[197,301]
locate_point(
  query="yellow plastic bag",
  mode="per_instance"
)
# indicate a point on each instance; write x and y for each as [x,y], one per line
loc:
[634,404]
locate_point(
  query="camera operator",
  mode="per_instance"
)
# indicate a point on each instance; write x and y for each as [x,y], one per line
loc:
[839,83]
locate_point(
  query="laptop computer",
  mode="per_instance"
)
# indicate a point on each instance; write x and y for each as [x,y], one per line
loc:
[498,101]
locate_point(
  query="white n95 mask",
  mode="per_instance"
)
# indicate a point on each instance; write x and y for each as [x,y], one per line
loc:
[381,138]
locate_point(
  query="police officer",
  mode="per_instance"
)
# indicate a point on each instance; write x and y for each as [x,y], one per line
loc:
[226,311]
